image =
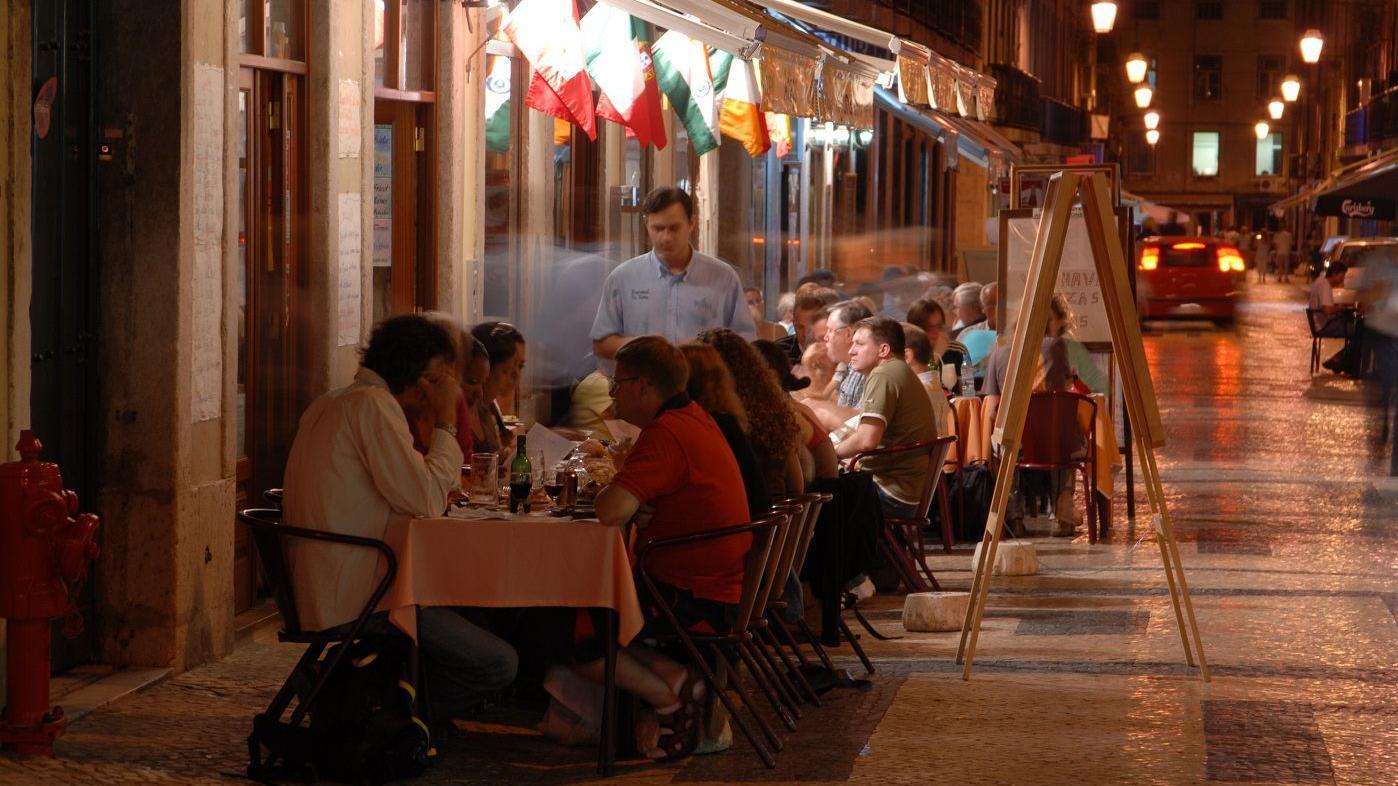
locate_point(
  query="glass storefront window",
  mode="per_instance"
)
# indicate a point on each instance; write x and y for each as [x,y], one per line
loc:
[282,30]
[501,165]
[415,47]
[383,221]
[380,54]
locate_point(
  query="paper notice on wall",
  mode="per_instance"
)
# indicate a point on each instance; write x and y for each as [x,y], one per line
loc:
[206,192]
[351,269]
[347,129]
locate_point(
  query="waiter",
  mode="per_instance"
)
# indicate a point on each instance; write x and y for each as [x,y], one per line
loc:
[672,291]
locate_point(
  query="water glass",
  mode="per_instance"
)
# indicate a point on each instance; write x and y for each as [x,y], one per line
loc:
[484,488]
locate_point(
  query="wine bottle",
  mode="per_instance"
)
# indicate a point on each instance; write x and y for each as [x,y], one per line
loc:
[521,478]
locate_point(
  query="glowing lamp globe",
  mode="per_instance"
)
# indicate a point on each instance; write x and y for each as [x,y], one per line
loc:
[1275,108]
[1152,119]
[1311,44]
[1290,88]
[1143,96]
[1261,129]
[1136,67]
[1152,136]
[1103,16]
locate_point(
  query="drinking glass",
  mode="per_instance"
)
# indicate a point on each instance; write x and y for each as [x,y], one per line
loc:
[485,479]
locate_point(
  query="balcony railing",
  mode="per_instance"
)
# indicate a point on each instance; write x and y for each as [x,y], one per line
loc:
[1064,124]
[1017,101]
[1375,122]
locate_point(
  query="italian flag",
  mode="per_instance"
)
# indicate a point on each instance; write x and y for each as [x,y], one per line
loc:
[619,60]
[740,116]
[682,69]
[546,32]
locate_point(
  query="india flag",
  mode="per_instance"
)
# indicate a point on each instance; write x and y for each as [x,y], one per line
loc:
[682,69]
[740,115]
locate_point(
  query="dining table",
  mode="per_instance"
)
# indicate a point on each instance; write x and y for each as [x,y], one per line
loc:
[490,558]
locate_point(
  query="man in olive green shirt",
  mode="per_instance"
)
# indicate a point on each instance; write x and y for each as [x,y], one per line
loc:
[894,411]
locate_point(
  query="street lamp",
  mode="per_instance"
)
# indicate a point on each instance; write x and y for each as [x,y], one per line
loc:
[1103,16]
[1152,119]
[1311,44]
[1291,87]
[1261,129]
[1275,108]
[1136,66]
[1152,136]
[1143,96]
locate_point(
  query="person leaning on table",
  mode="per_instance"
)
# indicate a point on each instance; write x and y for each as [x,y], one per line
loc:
[353,471]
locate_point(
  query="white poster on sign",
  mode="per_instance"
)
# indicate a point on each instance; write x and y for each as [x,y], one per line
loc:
[1077,275]
[206,187]
[351,270]
[347,129]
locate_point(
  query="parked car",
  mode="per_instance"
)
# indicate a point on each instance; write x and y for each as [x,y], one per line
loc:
[1358,253]
[1188,278]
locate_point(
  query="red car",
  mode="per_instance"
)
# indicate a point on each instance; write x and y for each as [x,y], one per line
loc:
[1188,278]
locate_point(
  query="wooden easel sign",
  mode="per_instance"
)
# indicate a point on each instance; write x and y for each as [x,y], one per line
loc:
[1147,432]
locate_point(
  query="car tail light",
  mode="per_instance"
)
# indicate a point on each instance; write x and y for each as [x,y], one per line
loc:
[1150,257]
[1229,260]
[1187,246]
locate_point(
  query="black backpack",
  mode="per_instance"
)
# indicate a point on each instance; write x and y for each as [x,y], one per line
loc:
[362,727]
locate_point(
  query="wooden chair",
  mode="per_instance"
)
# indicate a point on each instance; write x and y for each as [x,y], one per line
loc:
[1054,439]
[311,673]
[901,540]
[738,638]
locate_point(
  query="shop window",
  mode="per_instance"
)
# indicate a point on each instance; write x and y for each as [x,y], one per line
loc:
[275,29]
[1208,77]
[1270,69]
[1204,154]
[1269,155]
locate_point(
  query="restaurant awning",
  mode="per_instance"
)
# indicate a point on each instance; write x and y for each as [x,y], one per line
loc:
[982,143]
[1367,183]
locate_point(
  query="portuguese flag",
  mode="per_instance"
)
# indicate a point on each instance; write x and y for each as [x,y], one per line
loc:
[617,47]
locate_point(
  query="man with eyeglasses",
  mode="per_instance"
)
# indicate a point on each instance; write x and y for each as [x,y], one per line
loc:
[672,291]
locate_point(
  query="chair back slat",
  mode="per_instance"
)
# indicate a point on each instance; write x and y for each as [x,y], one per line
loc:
[803,545]
[795,511]
[936,452]
[264,524]
[795,532]
[1052,433]
[755,565]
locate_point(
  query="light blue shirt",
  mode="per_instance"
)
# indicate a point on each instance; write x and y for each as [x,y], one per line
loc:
[641,297]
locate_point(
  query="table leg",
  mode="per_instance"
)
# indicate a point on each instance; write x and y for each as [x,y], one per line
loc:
[606,756]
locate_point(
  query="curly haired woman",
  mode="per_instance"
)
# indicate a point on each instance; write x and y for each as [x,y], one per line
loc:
[711,387]
[773,428]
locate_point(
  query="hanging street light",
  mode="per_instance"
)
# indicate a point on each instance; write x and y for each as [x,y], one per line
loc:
[1143,96]
[1103,16]
[1152,136]
[1275,108]
[1136,67]
[1311,44]
[1152,119]
[1291,87]
[1261,129]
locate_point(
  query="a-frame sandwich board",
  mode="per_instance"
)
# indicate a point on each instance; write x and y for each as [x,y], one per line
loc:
[1138,392]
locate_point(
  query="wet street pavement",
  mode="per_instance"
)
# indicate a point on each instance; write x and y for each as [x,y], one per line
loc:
[1289,536]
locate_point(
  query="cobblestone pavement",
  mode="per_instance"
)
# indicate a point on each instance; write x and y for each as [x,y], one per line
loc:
[1289,546]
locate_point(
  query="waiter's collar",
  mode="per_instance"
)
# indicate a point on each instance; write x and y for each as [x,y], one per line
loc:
[663,270]
[677,401]
[367,376]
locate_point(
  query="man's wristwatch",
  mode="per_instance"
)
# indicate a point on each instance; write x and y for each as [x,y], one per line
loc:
[450,428]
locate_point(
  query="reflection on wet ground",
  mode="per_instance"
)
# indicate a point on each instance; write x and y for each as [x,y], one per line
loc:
[1289,541]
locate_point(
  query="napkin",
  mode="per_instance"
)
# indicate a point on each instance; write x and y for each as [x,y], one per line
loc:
[542,439]
[623,431]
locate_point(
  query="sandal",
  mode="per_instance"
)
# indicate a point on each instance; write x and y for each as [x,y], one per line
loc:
[680,734]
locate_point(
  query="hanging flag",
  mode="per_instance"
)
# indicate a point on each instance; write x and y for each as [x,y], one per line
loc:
[682,70]
[546,32]
[779,131]
[618,56]
[497,104]
[740,114]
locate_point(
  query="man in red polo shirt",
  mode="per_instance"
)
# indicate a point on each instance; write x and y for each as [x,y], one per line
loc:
[681,478]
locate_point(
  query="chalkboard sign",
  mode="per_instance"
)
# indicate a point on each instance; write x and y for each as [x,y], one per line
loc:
[1077,273]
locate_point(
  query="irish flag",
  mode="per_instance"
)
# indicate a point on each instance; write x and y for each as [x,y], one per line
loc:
[740,116]
[682,69]
[619,60]
[546,31]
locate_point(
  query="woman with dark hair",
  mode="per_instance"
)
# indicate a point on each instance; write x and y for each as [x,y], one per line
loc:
[932,318]
[773,422]
[817,452]
[711,387]
[472,366]
[505,348]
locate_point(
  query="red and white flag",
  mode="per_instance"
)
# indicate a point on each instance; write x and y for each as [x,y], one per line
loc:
[546,32]
[617,49]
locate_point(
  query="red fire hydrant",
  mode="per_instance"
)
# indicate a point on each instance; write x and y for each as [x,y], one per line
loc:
[45,549]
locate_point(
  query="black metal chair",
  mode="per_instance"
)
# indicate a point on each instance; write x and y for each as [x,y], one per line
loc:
[901,541]
[311,673]
[1317,320]
[274,497]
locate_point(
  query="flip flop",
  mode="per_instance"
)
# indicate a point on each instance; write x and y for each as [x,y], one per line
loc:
[680,729]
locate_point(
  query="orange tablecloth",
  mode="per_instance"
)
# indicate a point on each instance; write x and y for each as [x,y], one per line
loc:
[974,428]
[520,563]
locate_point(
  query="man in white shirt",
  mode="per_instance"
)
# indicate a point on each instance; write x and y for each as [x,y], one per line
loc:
[1334,321]
[352,470]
